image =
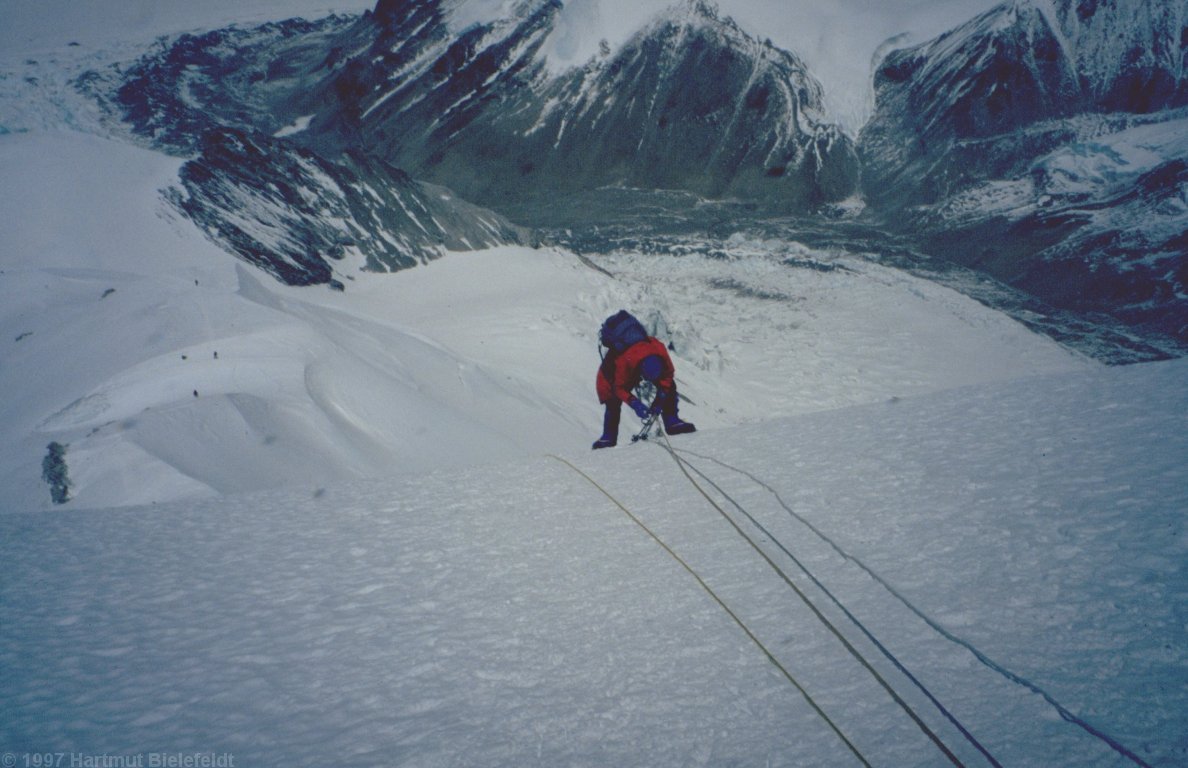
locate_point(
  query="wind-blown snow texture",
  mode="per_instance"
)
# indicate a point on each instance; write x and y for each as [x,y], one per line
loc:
[513,616]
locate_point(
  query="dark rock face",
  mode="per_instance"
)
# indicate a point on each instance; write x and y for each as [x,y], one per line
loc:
[310,221]
[693,103]
[434,102]
[1130,53]
[304,215]
[195,83]
[990,77]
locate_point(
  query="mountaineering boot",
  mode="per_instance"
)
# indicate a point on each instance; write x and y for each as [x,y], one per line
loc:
[610,426]
[675,426]
[668,412]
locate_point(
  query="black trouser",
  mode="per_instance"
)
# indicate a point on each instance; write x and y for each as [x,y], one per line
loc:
[665,398]
[610,419]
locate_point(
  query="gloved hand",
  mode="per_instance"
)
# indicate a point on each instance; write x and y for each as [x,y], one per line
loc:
[640,409]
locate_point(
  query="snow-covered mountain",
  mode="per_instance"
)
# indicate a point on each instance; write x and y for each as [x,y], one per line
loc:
[308,221]
[1097,226]
[972,121]
[988,97]
[296,213]
[691,102]
[1041,143]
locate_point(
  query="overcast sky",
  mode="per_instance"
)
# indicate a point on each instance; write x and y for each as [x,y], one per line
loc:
[836,37]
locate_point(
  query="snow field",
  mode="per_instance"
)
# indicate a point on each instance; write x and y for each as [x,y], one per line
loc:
[512,615]
[440,646]
[1060,557]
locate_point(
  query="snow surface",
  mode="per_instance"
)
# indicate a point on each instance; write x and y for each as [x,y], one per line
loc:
[350,548]
[512,615]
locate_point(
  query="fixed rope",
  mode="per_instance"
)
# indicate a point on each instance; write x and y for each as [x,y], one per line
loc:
[907,673]
[985,660]
[722,604]
[911,713]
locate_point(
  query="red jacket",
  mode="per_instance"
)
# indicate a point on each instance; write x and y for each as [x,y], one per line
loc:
[619,374]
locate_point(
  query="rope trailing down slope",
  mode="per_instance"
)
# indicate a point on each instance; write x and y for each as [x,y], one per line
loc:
[988,662]
[721,603]
[817,612]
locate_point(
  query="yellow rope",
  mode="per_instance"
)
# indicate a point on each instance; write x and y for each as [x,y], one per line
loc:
[770,656]
[817,612]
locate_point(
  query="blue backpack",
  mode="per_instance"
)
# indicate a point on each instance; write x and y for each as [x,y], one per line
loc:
[620,331]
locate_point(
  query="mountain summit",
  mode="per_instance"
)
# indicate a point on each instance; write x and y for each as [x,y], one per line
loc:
[690,103]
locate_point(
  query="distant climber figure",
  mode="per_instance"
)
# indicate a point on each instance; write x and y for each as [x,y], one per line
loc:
[633,356]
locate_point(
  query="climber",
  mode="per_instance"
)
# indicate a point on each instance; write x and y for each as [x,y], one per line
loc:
[633,356]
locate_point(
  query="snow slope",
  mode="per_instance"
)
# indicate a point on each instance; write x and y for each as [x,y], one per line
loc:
[114,309]
[513,615]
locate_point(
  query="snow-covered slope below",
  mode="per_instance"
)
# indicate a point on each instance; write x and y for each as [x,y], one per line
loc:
[171,372]
[1032,532]
[114,309]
